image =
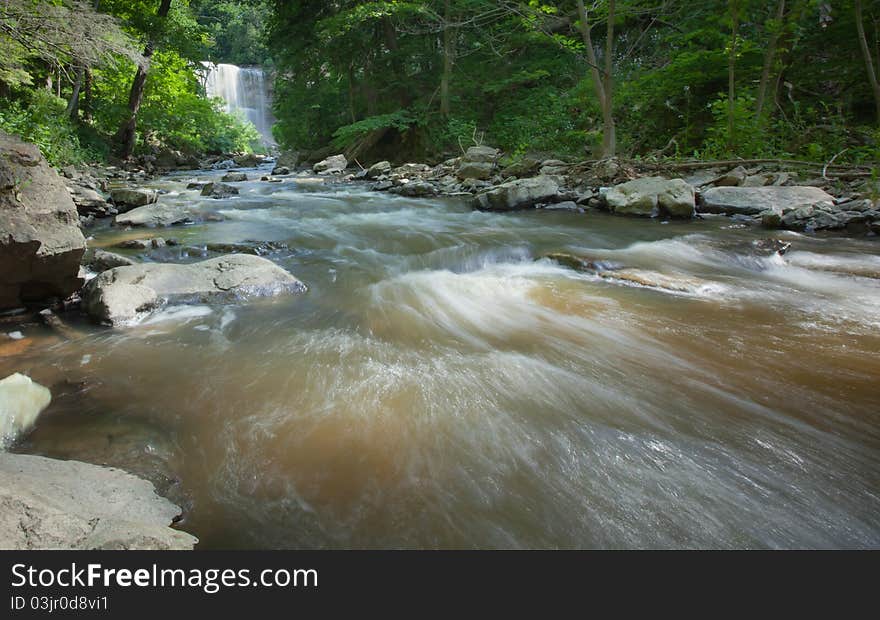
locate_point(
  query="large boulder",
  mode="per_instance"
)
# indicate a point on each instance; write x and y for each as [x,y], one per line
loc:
[478,163]
[652,197]
[755,200]
[519,194]
[120,295]
[68,505]
[332,165]
[41,244]
[21,401]
[129,198]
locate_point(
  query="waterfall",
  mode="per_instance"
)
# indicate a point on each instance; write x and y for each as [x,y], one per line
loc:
[245,92]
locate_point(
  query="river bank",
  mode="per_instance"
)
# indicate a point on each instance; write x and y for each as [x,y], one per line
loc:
[472,378]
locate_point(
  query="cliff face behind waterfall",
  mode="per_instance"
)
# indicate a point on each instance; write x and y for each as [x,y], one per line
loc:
[245,91]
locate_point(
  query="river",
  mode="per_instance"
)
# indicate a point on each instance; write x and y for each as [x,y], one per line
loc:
[439,387]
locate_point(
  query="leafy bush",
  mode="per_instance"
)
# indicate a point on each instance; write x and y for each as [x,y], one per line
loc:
[39,117]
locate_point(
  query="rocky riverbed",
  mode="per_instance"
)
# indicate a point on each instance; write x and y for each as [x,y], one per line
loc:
[464,354]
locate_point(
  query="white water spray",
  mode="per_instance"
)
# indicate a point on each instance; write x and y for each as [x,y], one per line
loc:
[245,92]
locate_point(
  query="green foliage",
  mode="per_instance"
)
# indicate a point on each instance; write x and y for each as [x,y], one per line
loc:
[345,136]
[39,118]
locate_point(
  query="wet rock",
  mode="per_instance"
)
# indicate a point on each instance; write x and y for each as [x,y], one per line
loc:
[41,244]
[135,244]
[519,194]
[379,169]
[415,189]
[102,260]
[652,197]
[567,205]
[126,199]
[756,200]
[383,186]
[226,164]
[334,164]
[772,246]
[280,170]
[21,401]
[119,295]
[248,160]
[196,184]
[156,215]
[50,504]
[219,190]
[234,177]
[257,248]
[288,159]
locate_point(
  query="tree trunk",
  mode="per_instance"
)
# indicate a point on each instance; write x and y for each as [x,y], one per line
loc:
[869,62]
[609,138]
[87,101]
[731,75]
[769,61]
[448,37]
[128,132]
[73,103]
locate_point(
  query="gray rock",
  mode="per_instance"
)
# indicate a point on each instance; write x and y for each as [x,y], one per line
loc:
[757,200]
[129,198]
[475,170]
[332,165]
[415,189]
[234,177]
[481,154]
[41,244]
[378,169]
[102,260]
[652,197]
[248,160]
[119,295]
[219,190]
[519,194]
[735,177]
[288,159]
[280,170]
[156,215]
[50,504]
[88,201]
[523,168]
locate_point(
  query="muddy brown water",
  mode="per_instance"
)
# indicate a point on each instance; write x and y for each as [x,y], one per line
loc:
[439,387]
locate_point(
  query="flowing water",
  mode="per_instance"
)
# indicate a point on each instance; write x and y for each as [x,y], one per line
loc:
[245,92]
[440,387]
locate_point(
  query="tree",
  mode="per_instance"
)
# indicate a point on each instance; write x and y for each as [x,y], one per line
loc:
[127,134]
[867,56]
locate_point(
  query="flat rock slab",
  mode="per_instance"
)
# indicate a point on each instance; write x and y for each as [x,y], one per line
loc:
[156,215]
[520,194]
[121,295]
[51,504]
[755,200]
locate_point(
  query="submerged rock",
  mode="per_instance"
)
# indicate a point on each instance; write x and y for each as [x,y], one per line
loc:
[41,244]
[50,504]
[652,197]
[120,295]
[21,401]
[519,194]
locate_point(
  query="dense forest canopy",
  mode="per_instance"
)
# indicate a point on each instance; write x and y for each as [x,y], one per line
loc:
[402,80]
